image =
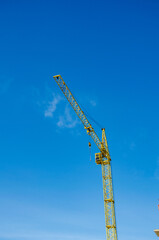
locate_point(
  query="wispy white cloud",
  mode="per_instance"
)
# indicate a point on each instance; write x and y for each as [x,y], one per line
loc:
[66,120]
[52,105]
[93,103]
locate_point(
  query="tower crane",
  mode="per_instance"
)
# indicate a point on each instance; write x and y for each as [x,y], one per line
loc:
[102,158]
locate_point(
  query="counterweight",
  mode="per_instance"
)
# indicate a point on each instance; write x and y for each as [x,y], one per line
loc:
[102,158]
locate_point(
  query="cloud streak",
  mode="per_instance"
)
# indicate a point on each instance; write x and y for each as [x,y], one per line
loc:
[93,103]
[66,121]
[52,105]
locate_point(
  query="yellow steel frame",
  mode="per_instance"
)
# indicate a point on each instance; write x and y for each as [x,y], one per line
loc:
[102,158]
[109,208]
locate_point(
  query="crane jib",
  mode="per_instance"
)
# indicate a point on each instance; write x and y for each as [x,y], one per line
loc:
[78,110]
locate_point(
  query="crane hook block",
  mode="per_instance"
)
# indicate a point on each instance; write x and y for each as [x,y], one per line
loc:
[89,144]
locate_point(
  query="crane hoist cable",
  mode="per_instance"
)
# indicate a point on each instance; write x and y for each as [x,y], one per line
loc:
[102,158]
[89,144]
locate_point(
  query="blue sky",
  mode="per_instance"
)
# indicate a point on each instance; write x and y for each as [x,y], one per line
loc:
[107,52]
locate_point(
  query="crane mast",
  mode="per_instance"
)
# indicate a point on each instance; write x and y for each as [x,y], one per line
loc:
[102,158]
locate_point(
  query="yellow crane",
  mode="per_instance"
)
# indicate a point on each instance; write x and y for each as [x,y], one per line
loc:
[102,158]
